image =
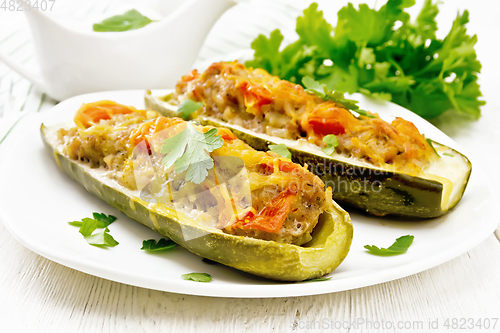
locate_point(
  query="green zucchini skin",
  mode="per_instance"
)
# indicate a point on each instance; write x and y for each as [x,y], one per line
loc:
[384,193]
[374,191]
[331,241]
[371,190]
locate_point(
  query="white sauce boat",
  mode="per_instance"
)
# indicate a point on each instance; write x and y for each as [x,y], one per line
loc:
[77,61]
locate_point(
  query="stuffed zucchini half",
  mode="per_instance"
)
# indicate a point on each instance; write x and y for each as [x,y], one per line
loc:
[380,167]
[206,190]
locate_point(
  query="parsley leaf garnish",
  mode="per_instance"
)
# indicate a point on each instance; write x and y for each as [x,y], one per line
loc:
[101,238]
[197,277]
[430,144]
[76,223]
[161,245]
[130,20]
[99,221]
[281,150]
[331,142]
[105,219]
[364,113]
[382,53]
[321,90]
[189,150]
[400,246]
[188,106]
[314,87]
[88,226]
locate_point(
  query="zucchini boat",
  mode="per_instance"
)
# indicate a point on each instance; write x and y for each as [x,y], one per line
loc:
[114,148]
[382,168]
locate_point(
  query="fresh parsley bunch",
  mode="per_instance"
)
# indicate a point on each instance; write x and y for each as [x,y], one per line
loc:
[382,53]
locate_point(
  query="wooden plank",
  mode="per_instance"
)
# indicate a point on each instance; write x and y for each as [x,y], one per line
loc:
[40,295]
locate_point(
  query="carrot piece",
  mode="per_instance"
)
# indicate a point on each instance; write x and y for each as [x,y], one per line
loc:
[225,133]
[146,130]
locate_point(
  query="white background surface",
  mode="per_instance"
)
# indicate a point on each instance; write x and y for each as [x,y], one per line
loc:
[39,295]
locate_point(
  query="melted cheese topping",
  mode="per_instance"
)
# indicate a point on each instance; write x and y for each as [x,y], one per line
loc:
[246,192]
[451,169]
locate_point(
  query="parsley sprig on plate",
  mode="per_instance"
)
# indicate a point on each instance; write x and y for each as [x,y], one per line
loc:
[95,230]
[400,246]
[197,277]
[154,246]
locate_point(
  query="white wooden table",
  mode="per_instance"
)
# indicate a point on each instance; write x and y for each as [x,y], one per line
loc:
[37,295]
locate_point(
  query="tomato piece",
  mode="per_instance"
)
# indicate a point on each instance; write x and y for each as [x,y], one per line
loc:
[255,95]
[286,166]
[330,119]
[272,217]
[92,113]
[324,126]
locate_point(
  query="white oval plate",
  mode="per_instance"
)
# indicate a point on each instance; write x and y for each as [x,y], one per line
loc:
[38,200]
